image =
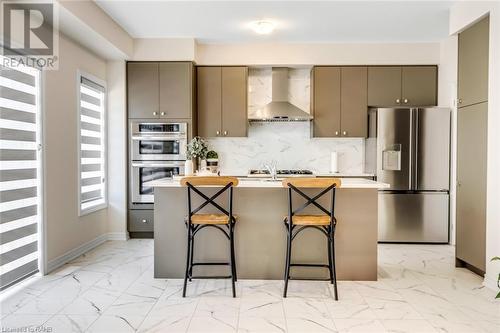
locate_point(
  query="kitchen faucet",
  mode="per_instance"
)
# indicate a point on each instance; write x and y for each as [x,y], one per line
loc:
[271,167]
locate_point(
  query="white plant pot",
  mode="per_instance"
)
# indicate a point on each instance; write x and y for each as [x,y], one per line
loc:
[189,168]
[203,165]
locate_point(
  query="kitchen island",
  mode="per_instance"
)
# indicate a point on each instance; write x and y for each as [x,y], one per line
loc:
[260,237]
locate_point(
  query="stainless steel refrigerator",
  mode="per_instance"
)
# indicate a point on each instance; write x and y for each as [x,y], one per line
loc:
[412,154]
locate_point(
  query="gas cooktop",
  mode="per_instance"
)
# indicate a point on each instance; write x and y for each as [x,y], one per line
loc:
[281,173]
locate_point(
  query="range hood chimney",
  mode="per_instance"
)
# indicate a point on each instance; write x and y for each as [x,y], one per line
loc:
[280,109]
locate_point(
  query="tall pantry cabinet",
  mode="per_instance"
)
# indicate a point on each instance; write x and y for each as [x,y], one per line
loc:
[472,118]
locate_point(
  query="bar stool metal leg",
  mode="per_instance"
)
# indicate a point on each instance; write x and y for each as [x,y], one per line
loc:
[332,246]
[288,258]
[233,259]
[188,257]
[330,259]
[233,276]
[191,259]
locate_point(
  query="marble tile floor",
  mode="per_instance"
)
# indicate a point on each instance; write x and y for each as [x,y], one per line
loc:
[112,289]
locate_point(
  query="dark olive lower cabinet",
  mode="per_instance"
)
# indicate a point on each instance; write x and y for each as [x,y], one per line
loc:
[140,222]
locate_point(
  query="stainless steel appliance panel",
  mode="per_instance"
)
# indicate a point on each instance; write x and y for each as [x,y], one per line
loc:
[143,172]
[413,217]
[394,147]
[432,167]
[158,141]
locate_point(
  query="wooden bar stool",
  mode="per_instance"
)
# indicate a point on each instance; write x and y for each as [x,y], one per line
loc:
[325,222]
[224,222]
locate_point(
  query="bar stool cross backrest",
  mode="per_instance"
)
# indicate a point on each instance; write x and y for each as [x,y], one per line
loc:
[325,222]
[196,221]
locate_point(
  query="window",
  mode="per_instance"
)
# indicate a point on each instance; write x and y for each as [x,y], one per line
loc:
[20,172]
[92,144]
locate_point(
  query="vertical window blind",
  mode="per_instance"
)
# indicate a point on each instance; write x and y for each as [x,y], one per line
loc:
[19,172]
[92,146]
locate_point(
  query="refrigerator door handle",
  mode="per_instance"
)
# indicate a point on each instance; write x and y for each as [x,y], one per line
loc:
[410,151]
[415,162]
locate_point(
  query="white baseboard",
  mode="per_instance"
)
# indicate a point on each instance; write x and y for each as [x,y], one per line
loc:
[122,236]
[490,282]
[82,249]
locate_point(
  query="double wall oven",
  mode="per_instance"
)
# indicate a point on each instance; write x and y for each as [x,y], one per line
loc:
[157,150]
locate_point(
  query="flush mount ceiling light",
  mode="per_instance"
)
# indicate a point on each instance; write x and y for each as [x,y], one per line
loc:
[263,27]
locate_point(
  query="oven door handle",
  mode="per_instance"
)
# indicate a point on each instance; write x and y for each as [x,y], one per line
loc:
[157,138]
[156,165]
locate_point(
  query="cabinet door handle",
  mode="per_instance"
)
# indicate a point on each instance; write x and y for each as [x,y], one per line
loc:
[225,133]
[398,101]
[459,101]
[218,132]
[406,101]
[163,113]
[337,133]
[344,133]
[155,113]
[144,221]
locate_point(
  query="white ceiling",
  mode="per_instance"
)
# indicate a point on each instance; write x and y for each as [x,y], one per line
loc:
[297,21]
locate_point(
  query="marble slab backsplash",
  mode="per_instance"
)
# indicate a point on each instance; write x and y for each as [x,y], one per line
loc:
[290,145]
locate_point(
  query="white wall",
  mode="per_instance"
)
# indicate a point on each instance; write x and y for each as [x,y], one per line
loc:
[65,230]
[117,150]
[318,54]
[462,15]
[164,49]
[447,91]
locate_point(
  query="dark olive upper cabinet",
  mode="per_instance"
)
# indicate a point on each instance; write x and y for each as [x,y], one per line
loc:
[222,101]
[234,101]
[339,101]
[384,86]
[209,100]
[143,90]
[160,90]
[354,102]
[326,101]
[473,48]
[419,86]
[176,89]
[402,86]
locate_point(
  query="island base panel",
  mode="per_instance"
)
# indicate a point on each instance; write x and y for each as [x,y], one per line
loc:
[260,237]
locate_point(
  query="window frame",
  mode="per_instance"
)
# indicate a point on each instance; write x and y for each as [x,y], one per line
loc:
[104,204]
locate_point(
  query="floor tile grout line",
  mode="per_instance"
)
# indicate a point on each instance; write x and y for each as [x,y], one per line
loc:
[156,302]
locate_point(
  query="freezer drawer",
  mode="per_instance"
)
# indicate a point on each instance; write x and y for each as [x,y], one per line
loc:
[413,217]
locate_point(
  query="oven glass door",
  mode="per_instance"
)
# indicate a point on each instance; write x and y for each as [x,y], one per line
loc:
[146,172]
[158,148]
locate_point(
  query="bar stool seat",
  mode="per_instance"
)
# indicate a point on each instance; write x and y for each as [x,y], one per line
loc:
[309,219]
[211,219]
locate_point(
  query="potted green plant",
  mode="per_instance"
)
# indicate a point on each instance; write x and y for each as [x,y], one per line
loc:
[197,148]
[213,161]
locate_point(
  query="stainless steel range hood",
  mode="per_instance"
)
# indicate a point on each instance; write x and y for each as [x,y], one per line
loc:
[280,109]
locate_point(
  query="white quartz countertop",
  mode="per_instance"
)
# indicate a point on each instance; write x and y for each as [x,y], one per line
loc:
[345,174]
[360,183]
